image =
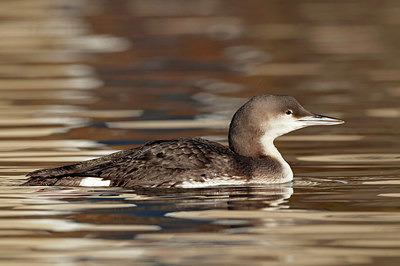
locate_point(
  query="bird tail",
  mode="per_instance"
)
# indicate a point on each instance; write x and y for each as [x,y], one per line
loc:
[41,181]
[77,168]
[67,181]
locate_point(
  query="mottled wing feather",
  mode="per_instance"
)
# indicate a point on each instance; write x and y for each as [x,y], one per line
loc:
[78,167]
[158,163]
[164,163]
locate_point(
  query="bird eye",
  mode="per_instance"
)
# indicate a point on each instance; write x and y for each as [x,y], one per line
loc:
[289,112]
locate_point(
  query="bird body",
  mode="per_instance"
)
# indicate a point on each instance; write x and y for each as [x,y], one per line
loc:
[251,158]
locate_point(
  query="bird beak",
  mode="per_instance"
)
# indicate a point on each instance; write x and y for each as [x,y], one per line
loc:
[315,120]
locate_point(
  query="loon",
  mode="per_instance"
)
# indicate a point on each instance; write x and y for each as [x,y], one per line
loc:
[251,158]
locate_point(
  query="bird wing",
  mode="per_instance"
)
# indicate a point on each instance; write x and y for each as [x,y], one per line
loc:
[78,167]
[171,155]
[156,162]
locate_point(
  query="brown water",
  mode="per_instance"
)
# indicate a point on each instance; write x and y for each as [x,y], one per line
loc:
[79,79]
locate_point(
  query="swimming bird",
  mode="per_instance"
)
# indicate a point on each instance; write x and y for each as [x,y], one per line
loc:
[251,158]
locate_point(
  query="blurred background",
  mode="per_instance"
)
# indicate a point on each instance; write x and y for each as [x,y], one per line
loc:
[123,72]
[84,78]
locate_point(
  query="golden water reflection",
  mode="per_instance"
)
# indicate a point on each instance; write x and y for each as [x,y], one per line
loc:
[81,79]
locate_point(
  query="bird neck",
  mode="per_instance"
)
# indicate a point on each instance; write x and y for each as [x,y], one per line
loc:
[246,142]
[268,147]
[251,141]
[259,145]
[269,150]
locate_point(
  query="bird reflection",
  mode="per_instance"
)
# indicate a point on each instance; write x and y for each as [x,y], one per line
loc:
[271,197]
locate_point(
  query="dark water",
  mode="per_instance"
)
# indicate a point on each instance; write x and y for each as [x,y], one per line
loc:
[80,79]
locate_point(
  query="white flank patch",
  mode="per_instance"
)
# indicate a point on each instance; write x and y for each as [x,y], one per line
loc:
[94,182]
[216,181]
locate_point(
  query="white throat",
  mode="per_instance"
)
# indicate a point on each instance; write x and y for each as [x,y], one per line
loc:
[269,149]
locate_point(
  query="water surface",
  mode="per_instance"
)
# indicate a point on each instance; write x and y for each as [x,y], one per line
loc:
[81,79]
